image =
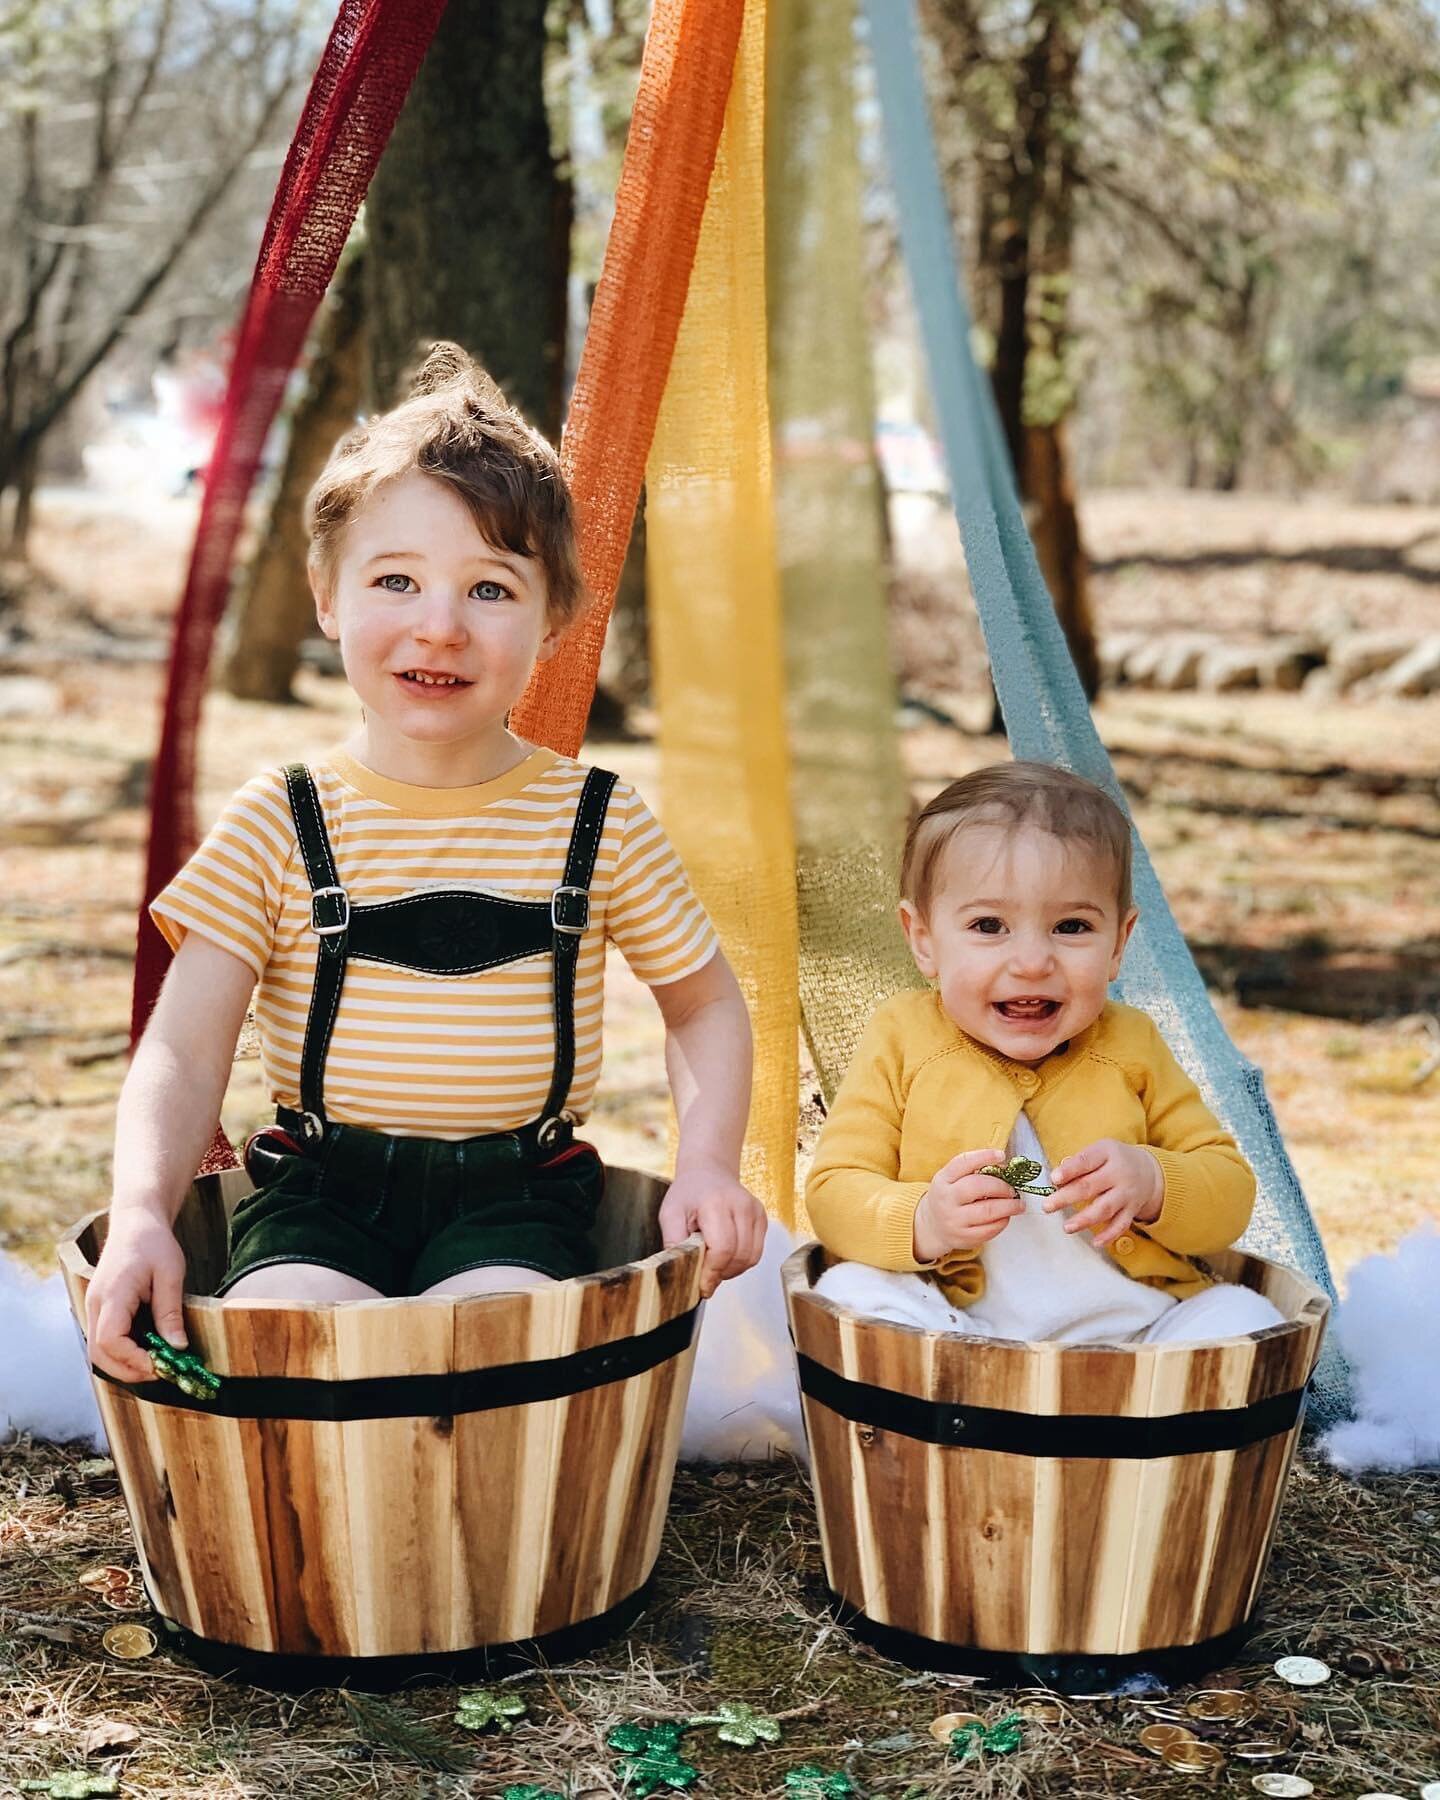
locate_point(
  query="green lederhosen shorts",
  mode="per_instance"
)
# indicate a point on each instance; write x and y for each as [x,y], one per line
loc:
[403,1213]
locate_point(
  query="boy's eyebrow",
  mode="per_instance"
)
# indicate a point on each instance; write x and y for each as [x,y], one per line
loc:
[488,556]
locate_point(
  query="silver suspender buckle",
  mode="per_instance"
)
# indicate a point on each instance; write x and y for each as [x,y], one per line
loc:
[565,904]
[335,894]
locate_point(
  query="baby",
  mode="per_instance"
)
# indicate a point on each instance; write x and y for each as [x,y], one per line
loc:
[1016,906]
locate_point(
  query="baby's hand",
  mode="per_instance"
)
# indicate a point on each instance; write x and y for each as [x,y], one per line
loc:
[962,1209]
[1116,1185]
[727,1216]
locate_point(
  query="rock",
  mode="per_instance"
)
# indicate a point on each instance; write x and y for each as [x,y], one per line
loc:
[1227,668]
[1362,653]
[1416,673]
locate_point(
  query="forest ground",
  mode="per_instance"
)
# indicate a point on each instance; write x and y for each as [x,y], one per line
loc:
[1297,843]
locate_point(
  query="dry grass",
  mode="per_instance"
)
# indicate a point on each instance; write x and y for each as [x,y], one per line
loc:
[739,1614]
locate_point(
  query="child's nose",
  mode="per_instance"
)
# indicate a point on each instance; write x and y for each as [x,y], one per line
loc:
[441,620]
[1030,953]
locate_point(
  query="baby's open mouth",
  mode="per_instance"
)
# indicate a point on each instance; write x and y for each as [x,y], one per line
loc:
[1027,1011]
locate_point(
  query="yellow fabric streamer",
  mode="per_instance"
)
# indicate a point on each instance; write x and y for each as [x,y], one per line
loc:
[850,797]
[714,603]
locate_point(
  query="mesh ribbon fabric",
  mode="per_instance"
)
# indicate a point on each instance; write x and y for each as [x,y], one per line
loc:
[679,110]
[715,622]
[1047,717]
[849,793]
[368,64]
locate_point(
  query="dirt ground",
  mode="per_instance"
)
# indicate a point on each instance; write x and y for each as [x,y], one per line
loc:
[1296,841]
[1297,844]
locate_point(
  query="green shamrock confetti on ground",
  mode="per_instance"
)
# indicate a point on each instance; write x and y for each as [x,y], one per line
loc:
[183,1367]
[1000,1739]
[477,1709]
[73,1784]
[656,1769]
[1018,1173]
[741,1724]
[811,1782]
[522,1790]
[636,1739]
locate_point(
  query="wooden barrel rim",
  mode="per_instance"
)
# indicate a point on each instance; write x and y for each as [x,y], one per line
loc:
[428,1396]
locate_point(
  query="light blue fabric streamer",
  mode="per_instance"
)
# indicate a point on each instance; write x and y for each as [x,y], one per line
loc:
[1047,716]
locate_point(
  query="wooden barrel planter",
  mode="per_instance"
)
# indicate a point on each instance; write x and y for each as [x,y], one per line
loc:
[395,1489]
[1067,1515]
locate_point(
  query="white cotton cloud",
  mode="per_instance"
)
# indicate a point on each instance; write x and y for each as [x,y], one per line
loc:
[44,1377]
[744,1397]
[1389,1329]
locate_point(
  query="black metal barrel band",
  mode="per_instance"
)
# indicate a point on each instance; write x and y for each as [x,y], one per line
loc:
[1107,1435]
[445,1395]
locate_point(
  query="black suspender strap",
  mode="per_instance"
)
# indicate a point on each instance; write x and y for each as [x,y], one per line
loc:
[330,920]
[569,915]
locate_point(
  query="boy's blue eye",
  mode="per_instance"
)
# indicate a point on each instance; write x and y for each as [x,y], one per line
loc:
[385,581]
[489,590]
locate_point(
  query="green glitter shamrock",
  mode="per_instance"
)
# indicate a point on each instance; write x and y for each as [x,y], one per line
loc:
[810,1782]
[741,1724]
[182,1367]
[1002,1738]
[477,1709]
[635,1739]
[73,1784]
[654,1769]
[522,1790]
[1019,1173]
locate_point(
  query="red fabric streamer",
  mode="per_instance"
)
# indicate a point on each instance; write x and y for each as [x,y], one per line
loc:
[365,72]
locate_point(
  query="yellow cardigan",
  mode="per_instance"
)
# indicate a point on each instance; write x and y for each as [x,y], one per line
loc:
[920,1091]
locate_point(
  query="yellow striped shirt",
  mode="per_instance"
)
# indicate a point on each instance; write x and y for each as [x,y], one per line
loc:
[418,1055]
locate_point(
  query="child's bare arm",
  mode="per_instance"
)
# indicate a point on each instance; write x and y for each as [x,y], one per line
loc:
[166,1118]
[708,1059]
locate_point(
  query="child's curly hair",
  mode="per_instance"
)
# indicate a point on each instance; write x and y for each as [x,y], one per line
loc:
[457,427]
[1065,806]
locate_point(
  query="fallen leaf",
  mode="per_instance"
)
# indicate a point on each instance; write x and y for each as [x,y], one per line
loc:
[109,1734]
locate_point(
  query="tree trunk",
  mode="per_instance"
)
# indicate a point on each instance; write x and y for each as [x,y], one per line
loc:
[468,217]
[273,611]
[23,474]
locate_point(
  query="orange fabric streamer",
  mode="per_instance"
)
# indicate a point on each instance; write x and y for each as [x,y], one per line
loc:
[674,131]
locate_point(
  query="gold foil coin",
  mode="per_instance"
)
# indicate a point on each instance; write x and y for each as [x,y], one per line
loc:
[1302,1671]
[1193,1758]
[1286,1787]
[942,1728]
[1159,1738]
[1041,1712]
[130,1642]
[1221,1703]
[107,1578]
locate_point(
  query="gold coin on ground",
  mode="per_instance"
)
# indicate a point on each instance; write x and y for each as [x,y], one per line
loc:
[129,1642]
[1302,1671]
[108,1576]
[125,1600]
[941,1728]
[1193,1758]
[1284,1787]
[1221,1703]
[1159,1738]
[1041,1712]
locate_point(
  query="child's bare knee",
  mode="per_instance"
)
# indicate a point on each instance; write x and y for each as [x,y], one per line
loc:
[497,1279]
[300,1281]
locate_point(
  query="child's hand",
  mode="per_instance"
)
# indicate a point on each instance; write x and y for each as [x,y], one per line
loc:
[962,1209]
[1116,1185]
[142,1261]
[727,1216]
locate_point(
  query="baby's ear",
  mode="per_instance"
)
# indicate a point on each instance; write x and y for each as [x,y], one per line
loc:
[917,936]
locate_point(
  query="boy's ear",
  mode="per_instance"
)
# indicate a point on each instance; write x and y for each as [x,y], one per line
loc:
[324,603]
[917,936]
[1122,938]
[551,642]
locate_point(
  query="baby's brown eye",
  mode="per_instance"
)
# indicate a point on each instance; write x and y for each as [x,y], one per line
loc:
[988,925]
[1073,927]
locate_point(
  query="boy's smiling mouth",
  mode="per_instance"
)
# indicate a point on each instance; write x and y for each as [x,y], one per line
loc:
[431,678]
